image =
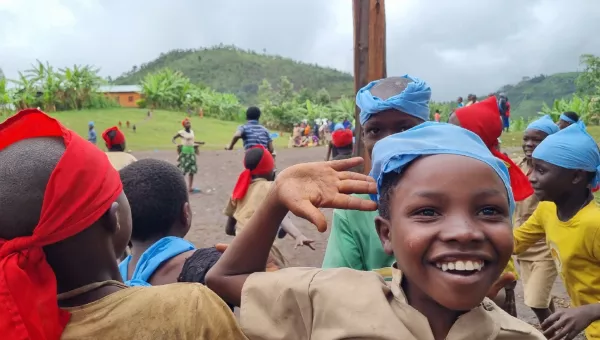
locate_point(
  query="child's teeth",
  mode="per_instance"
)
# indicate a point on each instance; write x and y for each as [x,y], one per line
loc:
[460,265]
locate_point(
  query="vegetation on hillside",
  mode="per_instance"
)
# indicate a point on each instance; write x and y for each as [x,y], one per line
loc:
[232,70]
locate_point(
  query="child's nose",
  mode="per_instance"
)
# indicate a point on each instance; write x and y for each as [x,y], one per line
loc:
[462,229]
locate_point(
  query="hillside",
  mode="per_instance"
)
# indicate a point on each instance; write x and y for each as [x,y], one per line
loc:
[229,69]
[526,97]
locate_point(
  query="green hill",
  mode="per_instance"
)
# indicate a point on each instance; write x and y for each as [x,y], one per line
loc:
[229,69]
[526,97]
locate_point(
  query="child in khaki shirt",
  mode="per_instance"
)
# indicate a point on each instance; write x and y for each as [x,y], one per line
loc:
[446,218]
[252,187]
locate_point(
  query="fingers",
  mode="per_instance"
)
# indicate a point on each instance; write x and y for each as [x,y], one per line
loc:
[221,247]
[343,201]
[307,211]
[351,186]
[343,175]
[345,164]
[551,320]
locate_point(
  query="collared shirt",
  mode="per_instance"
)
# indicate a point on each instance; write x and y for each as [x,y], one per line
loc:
[92,136]
[330,304]
[523,210]
[254,134]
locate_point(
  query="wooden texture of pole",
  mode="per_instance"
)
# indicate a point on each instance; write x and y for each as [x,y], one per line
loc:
[369,56]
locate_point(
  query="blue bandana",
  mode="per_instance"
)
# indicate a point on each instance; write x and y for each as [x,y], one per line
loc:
[396,152]
[414,100]
[544,124]
[566,118]
[571,148]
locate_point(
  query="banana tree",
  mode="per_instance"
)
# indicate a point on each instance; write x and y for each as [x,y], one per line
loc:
[24,95]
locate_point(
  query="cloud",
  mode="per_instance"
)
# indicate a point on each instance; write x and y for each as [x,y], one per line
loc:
[459,46]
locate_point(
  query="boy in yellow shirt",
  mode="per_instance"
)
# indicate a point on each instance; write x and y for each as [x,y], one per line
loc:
[445,208]
[565,168]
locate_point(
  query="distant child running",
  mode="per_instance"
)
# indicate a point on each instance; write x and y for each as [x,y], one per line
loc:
[537,268]
[565,167]
[251,189]
[115,144]
[92,137]
[445,209]
[60,232]
[187,153]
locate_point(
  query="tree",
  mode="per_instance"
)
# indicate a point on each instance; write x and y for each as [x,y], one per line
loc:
[589,80]
[2,74]
[323,97]
[265,93]
[286,90]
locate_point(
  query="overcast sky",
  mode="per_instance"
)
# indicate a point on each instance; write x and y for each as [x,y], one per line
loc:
[458,46]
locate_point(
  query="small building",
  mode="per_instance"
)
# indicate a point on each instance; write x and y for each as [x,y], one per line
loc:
[124,95]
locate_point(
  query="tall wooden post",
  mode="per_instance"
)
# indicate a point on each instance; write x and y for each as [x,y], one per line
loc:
[369,56]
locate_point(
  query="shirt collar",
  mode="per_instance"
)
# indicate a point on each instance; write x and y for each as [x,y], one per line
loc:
[252,122]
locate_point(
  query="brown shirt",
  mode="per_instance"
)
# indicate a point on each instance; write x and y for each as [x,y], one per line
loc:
[243,209]
[119,160]
[342,303]
[523,210]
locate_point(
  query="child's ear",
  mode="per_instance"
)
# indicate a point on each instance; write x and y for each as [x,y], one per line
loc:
[579,176]
[186,215]
[112,219]
[384,230]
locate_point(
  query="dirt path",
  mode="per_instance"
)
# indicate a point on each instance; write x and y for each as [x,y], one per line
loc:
[218,171]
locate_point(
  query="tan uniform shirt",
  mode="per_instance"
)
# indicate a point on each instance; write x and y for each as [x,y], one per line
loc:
[187,138]
[523,210]
[342,303]
[175,311]
[243,209]
[119,160]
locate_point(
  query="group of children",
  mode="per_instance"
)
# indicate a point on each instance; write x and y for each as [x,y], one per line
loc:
[441,197]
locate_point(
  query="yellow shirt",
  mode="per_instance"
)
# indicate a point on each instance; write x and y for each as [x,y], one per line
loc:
[575,248]
[175,311]
[342,303]
[524,209]
[119,160]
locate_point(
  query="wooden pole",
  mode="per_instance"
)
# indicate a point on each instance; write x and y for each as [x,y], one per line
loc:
[369,56]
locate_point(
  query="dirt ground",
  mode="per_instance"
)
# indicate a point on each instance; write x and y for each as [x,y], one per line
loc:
[217,173]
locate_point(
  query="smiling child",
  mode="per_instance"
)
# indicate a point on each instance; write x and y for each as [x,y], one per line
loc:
[565,168]
[445,208]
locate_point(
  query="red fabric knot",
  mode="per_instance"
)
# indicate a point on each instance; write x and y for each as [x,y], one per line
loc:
[483,119]
[264,167]
[341,138]
[80,190]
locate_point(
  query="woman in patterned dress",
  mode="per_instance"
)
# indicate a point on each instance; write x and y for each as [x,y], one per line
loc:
[187,153]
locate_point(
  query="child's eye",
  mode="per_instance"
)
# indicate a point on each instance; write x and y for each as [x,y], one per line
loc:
[489,211]
[426,213]
[539,170]
[373,131]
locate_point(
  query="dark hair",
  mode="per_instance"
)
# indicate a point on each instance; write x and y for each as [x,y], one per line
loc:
[253,157]
[389,182]
[156,191]
[572,115]
[253,113]
[437,111]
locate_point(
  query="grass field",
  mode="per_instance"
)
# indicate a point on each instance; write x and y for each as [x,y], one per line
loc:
[154,133]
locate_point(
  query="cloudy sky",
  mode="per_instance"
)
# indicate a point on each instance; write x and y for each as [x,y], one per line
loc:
[459,46]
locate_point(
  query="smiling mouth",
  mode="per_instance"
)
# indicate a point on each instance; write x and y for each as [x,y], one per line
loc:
[463,268]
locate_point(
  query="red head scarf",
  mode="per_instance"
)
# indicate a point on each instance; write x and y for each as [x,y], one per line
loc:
[341,138]
[184,121]
[118,139]
[483,119]
[80,190]
[264,167]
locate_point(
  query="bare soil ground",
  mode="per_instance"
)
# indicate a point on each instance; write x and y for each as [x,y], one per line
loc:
[217,173]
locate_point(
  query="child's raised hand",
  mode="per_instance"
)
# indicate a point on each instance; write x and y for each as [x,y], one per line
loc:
[304,241]
[304,188]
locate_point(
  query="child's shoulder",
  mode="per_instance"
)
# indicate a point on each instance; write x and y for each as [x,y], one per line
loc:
[510,327]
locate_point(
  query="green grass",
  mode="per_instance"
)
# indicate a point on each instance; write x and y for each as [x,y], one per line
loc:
[154,133]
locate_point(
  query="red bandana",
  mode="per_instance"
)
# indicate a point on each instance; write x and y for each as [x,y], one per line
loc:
[341,138]
[264,167]
[80,190]
[118,139]
[184,121]
[483,119]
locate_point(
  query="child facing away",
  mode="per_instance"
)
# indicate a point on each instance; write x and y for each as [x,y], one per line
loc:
[250,191]
[114,140]
[565,167]
[445,208]
[61,229]
[161,218]
[341,144]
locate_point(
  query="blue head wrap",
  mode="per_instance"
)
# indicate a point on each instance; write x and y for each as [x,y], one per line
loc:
[544,124]
[571,148]
[414,100]
[338,126]
[395,152]
[91,124]
[566,118]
